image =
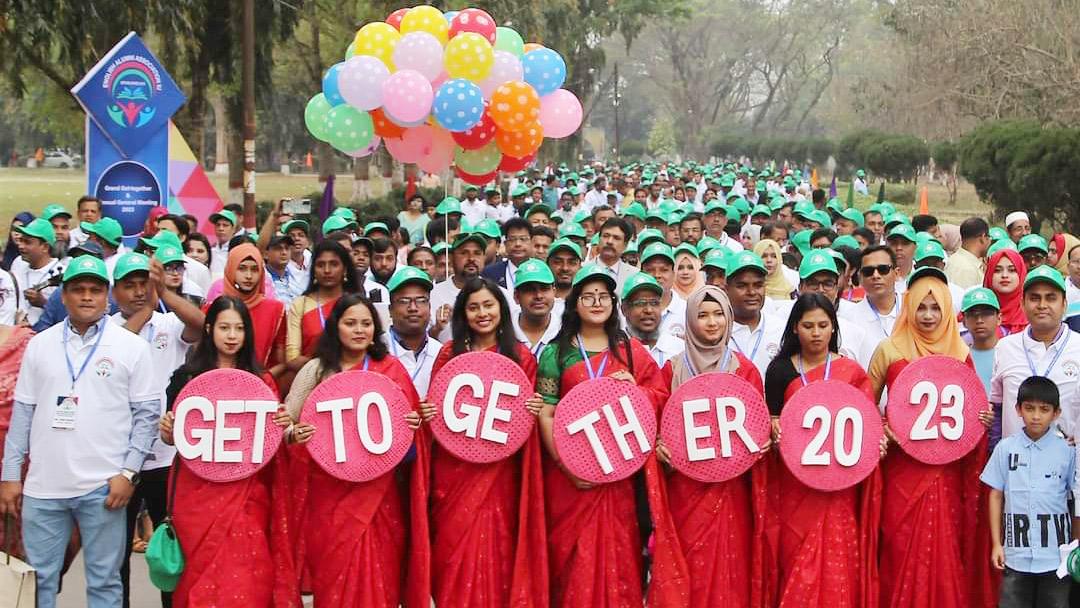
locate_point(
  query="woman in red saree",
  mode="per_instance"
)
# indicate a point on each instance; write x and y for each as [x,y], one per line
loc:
[331,276]
[725,552]
[487,519]
[594,537]
[824,543]
[1005,274]
[245,273]
[362,543]
[935,540]
[234,535]
[13,340]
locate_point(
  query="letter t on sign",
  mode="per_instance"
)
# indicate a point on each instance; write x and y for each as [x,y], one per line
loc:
[632,426]
[587,423]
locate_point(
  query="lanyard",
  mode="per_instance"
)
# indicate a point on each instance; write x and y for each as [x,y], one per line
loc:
[723,362]
[873,309]
[322,317]
[757,343]
[510,282]
[419,360]
[588,364]
[828,369]
[1053,362]
[71,369]
[367,361]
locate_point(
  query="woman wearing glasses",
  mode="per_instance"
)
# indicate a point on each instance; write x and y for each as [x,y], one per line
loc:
[175,267]
[594,537]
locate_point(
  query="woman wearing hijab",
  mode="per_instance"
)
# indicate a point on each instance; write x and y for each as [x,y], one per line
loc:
[934,536]
[777,284]
[717,547]
[11,249]
[1058,255]
[688,275]
[826,553]
[245,272]
[1005,274]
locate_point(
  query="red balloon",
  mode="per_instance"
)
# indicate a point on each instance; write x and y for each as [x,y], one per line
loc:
[479,136]
[473,20]
[476,180]
[384,127]
[509,164]
[395,18]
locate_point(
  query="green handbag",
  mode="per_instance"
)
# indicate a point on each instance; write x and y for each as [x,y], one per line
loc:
[164,557]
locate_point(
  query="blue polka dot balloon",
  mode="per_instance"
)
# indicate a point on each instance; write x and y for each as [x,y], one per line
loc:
[458,105]
[330,85]
[545,70]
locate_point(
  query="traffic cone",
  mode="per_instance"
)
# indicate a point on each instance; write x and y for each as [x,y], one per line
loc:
[924,201]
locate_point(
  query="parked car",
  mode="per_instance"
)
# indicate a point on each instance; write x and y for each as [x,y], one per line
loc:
[62,160]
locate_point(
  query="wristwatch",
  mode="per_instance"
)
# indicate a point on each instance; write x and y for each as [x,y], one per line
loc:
[131,476]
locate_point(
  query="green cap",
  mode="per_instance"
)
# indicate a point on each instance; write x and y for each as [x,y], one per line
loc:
[999,245]
[641,280]
[161,239]
[835,205]
[761,209]
[373,226]
[447,206]
[538,208]
[741,204]
[1045,274]
[707,244]
[591,271]
[979,296]
[804,209]
[129,263]
[745,260]
[53,210]
[634,210]
[649,235]
[224,214]
[40,228]
[897,218]
[533,271]
[715,205]
[106,228]
[997,233]
[801,240]
[336,222]
[408,274]
[289,225]
[519,190]
[924,237]
[491,188]
[465,226]
[86,266]
[685,248]
[821,217]
[439,247]
[167,254]
[717,258]
[860,173]
[1033,241]
[489,228]
[888,209]
[653,250]
[581,216]
[853,215]
[675,217]
[572,229]
[727,180]
[631,248]
[466,237]
[733,214]
[819,260]
[344,212]
[845,241]
[567,244]
[839,259]
[657,214]
[929,249]
[902,231]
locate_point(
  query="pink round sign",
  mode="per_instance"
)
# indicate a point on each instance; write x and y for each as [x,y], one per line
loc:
[604,430]
[479,400]
[933,409]
[715,426]
[361,432]
[830,435]
[224,428]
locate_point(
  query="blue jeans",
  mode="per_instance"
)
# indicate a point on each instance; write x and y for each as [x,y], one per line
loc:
[46,531]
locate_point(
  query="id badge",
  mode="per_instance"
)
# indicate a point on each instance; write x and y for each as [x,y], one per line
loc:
[64,416]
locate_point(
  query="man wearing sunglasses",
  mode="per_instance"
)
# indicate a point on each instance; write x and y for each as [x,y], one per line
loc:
[877,313]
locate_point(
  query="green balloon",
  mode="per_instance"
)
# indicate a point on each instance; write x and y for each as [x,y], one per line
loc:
[478,162]
[315,117]
[349,52]
[349,129]
[506,39]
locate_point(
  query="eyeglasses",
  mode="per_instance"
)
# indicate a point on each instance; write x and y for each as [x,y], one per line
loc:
[824,284]
[176,268]
[518,239]
[640,304]
[590,299]
[418,301]
[882,269]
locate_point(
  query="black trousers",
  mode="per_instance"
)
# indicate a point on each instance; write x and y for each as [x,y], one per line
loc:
[153,491]
[1028,590]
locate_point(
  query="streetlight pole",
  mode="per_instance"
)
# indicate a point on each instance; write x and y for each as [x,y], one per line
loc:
[617,146]
[248,60]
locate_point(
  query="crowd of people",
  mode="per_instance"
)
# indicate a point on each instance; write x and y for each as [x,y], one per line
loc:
[649,274]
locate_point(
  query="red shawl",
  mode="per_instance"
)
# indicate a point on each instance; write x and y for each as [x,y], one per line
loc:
[824,544]
[935,539]
[1013,319]
[236,539]
[488,543]
[363,544]
[594,542]
[719,525]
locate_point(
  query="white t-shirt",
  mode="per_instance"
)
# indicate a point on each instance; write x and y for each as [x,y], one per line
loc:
[9,298]
[164,333]
[761,344]
[27,277]
[418,366]
[445,292]
[673,319]
[66,463]
[667,348]
[1012,367]
[554,325]
[198,273]
[877,324]
[473,212]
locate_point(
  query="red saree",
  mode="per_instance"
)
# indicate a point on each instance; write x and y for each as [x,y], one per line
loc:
[311,327]
[487,520]
[235,538]
[594,542]
[719,525]
[268,319]
[11,353]
[824,543]
[363,544]
[935,539]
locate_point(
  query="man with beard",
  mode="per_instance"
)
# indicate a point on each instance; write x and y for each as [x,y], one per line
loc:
[34,267]
[658,261]
[641,306]
[564,260]
[410,312]
[467,258]
[615,234]
[383,263]
[755,334]
[540,318]
[60,220]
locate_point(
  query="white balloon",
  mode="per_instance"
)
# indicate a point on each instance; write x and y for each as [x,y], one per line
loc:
[507,68]
[361,82]
[419,51]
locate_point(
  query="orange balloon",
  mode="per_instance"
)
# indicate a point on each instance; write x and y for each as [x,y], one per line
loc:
[520,144]
[514,106]
[532,46]
[383,126]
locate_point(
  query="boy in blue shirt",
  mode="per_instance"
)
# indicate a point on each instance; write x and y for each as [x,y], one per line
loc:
[1030,474]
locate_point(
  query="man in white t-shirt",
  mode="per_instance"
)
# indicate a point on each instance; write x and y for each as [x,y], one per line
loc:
[34,268]
[88,424]
[472,208]
[225,227]
[138,284]
[410,312]
[877,313]
[755,333]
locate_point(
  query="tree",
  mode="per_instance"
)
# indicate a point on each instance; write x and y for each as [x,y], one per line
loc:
[662,137]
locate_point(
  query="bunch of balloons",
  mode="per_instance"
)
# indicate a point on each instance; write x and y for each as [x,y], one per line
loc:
[445,89]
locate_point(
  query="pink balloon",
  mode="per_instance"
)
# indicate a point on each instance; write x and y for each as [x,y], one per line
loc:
[419,51]
[414,145]
[361,82]
[439,80]
[407,96]
[560,114]
[441,153]
[367,150]
[507,67]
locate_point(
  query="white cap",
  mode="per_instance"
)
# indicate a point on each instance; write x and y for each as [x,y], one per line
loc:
[1015,216]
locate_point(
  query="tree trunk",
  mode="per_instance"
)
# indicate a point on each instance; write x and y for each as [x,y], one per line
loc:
[327,161]
[361,178]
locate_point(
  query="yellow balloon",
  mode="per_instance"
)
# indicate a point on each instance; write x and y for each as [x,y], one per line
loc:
[469,56]
[377,39]
[426,19]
